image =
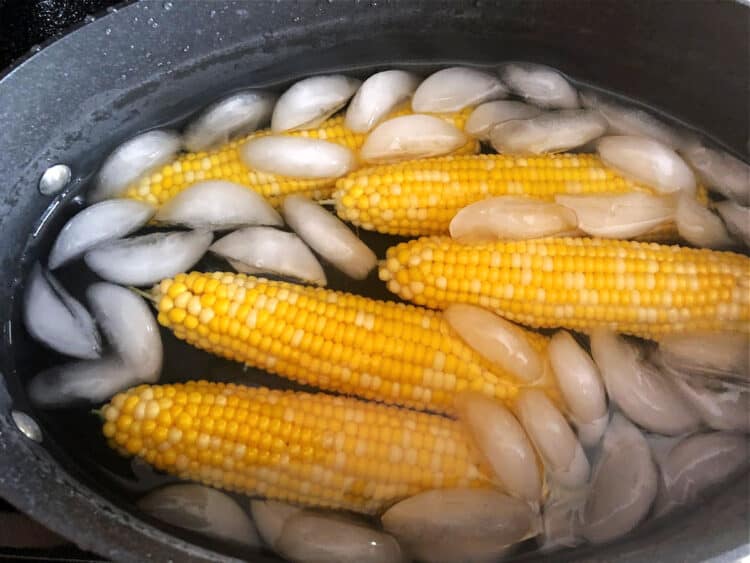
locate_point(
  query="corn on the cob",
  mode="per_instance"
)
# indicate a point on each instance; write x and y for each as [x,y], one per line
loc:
[312,449]
[644,289]
[421,197]
[225,163]
[378,350]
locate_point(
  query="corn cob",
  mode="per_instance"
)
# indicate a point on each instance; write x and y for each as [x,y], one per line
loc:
[644,289]
[421,197]
[378,350]
[312,449]
[225,163]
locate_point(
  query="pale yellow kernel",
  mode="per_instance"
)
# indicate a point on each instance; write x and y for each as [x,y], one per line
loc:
[152,409]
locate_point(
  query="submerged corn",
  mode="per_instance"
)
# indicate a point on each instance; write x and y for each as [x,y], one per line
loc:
[312,449]
[378,350]
[421,197]
[644,289]
[225,163]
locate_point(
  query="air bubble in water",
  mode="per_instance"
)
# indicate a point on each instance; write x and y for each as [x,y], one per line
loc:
[167,6]
[108,31]
[186,49]
[89,19]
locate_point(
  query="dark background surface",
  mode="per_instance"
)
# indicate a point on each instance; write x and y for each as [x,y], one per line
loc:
[28,23]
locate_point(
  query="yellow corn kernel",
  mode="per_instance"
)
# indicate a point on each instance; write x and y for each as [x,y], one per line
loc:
[644,289]
[378,350]
[303,455]
[225,163]
[420,197]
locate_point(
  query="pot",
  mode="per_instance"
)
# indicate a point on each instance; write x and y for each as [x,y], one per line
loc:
[153,62]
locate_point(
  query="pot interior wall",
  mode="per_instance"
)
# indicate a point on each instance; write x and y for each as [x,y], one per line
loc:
[148,65]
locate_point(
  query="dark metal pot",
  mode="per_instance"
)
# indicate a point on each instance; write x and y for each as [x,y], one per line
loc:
[152,62]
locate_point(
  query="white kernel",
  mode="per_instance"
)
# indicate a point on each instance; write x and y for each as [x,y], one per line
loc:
[152,409]
[369,321]
[194,306]
[182,300]
[271,305]
[297,337]
[439,361]
[359,319]
[252,319]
